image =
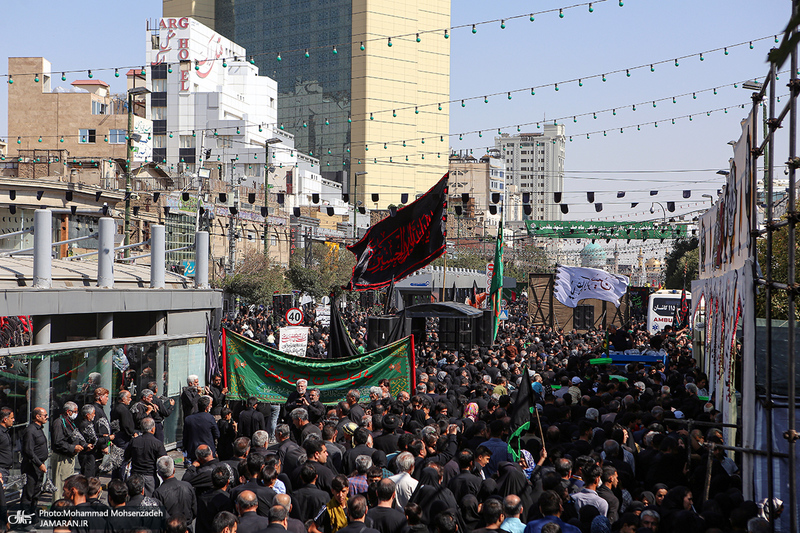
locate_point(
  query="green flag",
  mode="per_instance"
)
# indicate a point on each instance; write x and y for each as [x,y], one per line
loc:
[496,290]
[252,369]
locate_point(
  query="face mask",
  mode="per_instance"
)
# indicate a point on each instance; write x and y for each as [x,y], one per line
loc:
[73,416]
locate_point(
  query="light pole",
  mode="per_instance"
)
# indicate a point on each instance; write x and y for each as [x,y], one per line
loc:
[274,140]
[133,91]
[355,203]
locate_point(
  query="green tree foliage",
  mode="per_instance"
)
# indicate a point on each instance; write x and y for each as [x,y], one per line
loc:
[780,273]
[682,258]
[330,267]
[255,280]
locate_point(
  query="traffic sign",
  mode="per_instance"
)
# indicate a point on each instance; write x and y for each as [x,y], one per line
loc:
[503,314]
[294,316]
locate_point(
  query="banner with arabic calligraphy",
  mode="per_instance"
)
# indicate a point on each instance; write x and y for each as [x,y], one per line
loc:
[252,369]
[580,283]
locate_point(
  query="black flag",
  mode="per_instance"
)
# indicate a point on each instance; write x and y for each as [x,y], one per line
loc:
[521,409]
[397,246]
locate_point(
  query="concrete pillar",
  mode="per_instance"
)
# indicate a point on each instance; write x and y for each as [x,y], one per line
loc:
[105,330]
[201,260]
[105,256]
[42,249]
[158,256]
[41,372]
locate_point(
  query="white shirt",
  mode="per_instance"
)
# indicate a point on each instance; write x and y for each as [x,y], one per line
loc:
[406,485]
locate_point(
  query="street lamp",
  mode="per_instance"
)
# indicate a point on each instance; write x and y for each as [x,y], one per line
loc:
[355,203]
[710,198]
[274,140]
[133,91]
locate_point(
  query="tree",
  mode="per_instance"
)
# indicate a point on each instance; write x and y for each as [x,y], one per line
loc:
[255,280]
[780,273]
[681,264]
[330,267]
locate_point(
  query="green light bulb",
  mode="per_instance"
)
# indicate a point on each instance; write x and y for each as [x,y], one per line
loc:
[561,13]
[580,83]
[279,58]
[474,29]
[532,18]
[485,100]
[390,42]
[362,46]
[591,8]
[502,24]
[652,68]
[307,54]
[418,39]
[36,79]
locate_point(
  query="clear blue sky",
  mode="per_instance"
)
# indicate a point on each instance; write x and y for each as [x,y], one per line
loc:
[93,34]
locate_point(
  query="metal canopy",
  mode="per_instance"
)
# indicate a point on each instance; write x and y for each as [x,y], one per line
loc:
[442,310]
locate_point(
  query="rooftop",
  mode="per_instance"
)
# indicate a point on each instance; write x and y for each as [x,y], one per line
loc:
[16,272]
[90,82]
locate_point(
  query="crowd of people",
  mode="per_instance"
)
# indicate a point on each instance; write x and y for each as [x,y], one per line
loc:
[608,447]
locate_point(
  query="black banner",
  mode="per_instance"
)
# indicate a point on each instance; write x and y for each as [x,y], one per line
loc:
[397,246]
[637,302]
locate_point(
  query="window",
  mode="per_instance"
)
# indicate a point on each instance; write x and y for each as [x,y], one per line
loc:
[116,136]
[159,141]
[224,141]
[158,113]
[187,141]
[87,136]
[583,317]
[99,108]
[159,86]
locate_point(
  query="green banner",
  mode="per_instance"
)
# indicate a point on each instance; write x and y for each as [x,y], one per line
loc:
[252,369]
[558,229]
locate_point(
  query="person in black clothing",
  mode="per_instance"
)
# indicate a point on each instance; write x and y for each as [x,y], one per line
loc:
[102,427]
[217,393]
[122,415]
[250,419]
[190,395]
[66,445]
[143,453]
[265,495]
[227,434]
[164,408]
[34,454]
[214,501]
[136,497]
[87,458]
[465,482]
[315,408]
[317,454]
[385,518]
[198,473]
[143,408]
[297,398]
[177,497]
[6,457]
[387,442]
[356,411]
[309,498]
[249,520]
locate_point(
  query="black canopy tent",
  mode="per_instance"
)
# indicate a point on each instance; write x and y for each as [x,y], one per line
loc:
[460,325]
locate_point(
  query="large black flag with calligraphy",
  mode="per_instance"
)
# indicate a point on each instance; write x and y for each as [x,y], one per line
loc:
[397,246]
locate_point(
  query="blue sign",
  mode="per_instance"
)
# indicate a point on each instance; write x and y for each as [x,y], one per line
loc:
[503,314]
[188,268]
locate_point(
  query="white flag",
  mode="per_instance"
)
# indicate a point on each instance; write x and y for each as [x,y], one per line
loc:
[579,283]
